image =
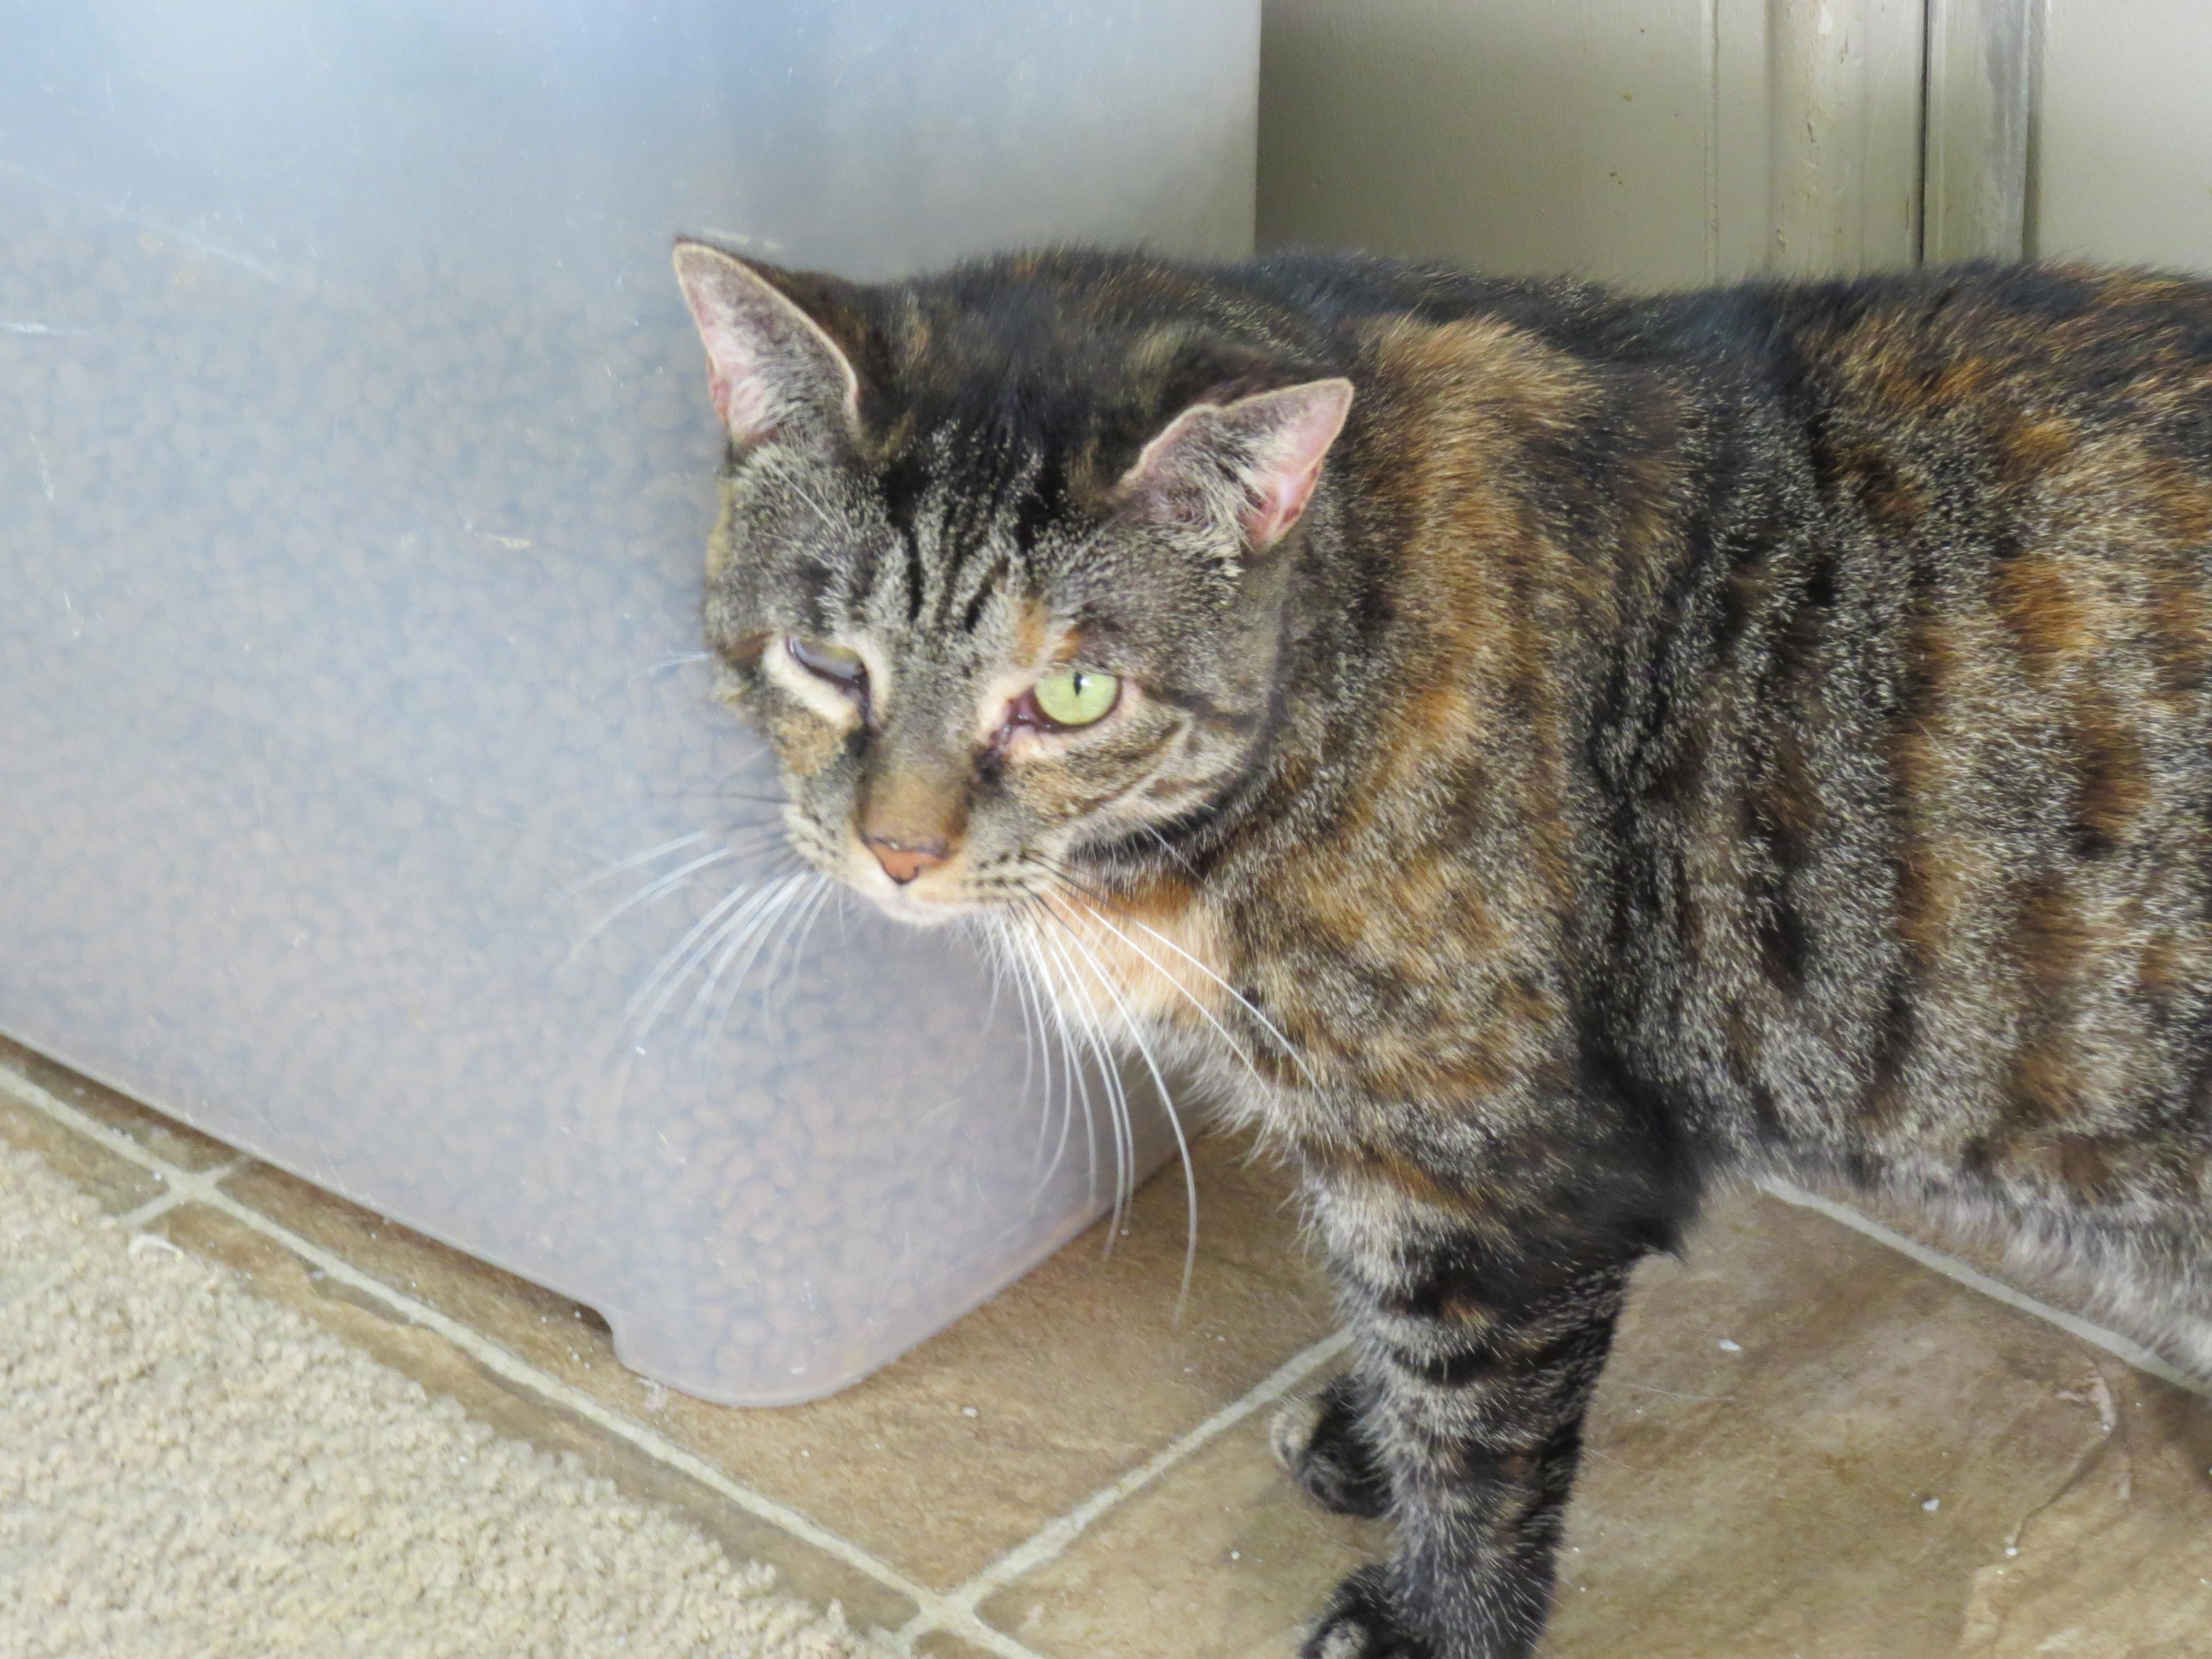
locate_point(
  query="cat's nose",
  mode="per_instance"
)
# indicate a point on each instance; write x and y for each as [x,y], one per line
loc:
[902,860]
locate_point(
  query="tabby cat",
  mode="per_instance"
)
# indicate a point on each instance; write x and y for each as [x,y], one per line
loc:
[1540,752]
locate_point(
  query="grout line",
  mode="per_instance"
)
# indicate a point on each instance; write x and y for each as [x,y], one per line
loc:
[182,1187]
[940,1613]
[1055,1538]
[1951,1268]
[1052,1539]
[954,1611]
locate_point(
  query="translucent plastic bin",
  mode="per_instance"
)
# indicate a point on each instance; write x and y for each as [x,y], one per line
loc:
[354,468]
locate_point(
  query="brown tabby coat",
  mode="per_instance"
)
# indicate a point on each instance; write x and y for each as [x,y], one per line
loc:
[1761,730]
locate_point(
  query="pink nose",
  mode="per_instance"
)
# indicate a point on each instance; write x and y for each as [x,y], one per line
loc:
[903,860]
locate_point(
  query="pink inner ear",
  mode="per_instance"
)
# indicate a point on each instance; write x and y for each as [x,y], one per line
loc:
[1305,422]
[1273,444]
[739,398]
[766,360]
[734,378]
[1282,501]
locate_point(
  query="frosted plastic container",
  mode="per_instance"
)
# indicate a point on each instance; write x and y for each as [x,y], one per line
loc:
[354,470]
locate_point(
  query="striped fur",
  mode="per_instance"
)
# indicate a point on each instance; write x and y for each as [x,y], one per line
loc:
[1757,730]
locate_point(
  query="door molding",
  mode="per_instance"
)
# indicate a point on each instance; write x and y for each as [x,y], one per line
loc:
[1979,126]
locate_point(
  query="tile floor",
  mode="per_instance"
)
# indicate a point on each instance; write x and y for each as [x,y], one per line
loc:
[1812,1444]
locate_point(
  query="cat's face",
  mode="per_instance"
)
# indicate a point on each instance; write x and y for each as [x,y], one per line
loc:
[1006,602]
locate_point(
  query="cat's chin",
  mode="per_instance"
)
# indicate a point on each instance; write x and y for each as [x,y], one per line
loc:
[902,906]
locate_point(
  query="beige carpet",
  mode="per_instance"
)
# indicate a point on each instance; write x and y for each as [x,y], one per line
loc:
[187,1469]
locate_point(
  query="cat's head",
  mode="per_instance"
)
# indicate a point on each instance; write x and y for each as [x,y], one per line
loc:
[1000,569]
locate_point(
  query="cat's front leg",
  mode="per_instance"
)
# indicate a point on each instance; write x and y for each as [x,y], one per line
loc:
[1322,1442]
[1480,1329]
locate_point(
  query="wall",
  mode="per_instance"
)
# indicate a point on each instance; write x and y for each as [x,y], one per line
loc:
[1664,142]
[1650,143]
[1574,136]
[2122,135]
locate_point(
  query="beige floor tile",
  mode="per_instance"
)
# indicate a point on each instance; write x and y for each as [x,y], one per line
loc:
[1222,1560]
[2117,1565]
[938,1646]
[164,1137]
[443,1369]
[1848,1483]
[1983,1251]
[1770,1499]
[116,1183]
[954,1454]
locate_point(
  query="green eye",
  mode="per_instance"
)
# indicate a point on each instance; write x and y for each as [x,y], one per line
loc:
[834,662]
[1076,696]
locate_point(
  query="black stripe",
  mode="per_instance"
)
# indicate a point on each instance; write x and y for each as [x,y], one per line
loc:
[913,577]
[902,483]
[981,597]
[1203,709]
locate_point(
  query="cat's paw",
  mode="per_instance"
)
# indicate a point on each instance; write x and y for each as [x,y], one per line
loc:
[1358,1623]
[1317,1442]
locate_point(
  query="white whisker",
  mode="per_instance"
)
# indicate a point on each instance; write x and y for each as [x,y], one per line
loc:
[1000,955]
[1125,1145]
[1034,1016]
[991,959]
[1266,1024]
[667,663]
[775,903]
[1093,903]
[792,938]
[784,477]
[609,872]
[1071,1073]
[1096,898]
[1071,1042]
[644,895]
[1033,978]
[729,940]
[678,964]
[1170,849]
[1182,990]
[1167,1101]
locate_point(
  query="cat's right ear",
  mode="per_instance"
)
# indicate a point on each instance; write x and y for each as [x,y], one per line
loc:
[771,368]
[1251,463]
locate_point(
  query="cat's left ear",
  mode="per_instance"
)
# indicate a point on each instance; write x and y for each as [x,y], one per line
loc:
[1251,463]
[772,368]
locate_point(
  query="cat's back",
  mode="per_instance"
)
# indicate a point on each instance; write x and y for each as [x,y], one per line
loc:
[2041,370]
[2022,458]
[1963,833]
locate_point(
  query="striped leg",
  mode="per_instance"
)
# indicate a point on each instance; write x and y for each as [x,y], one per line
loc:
[1479,1344]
